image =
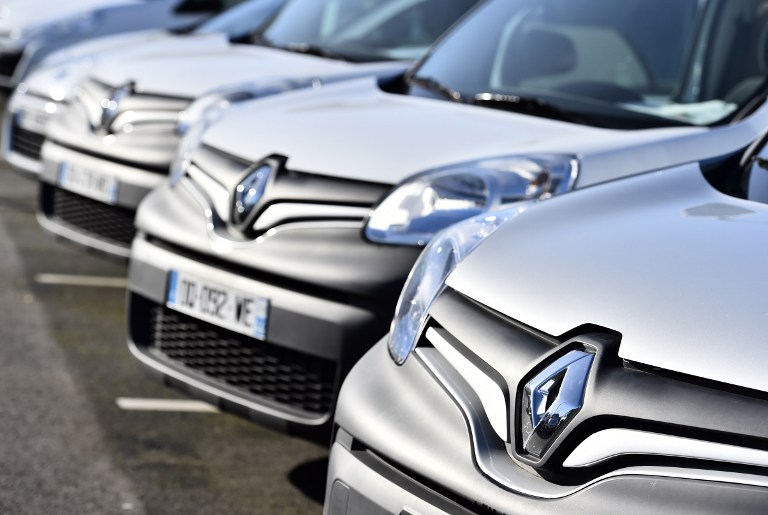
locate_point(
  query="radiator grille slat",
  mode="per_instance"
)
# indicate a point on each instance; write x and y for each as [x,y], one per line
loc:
[110,223]
[282,376]
[26,143]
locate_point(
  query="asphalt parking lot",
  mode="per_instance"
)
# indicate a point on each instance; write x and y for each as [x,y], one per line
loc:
[67,446]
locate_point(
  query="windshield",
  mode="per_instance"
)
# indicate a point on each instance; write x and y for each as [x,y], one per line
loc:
[241,20]
[633,63]
[363,30]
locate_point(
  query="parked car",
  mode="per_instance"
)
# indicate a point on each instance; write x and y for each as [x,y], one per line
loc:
[312,206]
[48,90]
[117,140]
[32,29]
[595,353]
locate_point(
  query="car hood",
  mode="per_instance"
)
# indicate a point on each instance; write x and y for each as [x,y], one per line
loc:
[188,71]
[18,14]
[63,69]
[664,259]
[357,131]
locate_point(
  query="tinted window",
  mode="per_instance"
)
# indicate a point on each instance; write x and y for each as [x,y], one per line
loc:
[366,29]
[673,60]
[243,19]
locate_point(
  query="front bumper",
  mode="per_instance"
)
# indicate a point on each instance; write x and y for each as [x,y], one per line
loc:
[23,131]
[403,446]
[331,293]
[104,226]
[289,381]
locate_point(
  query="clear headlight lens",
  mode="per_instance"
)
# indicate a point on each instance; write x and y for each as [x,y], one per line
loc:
[427,203]
[427,278]
[209,108]
[234,93]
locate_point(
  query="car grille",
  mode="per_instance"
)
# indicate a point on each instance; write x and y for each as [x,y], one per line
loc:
[110,223]
[26,143]
[8,63]
[285,377]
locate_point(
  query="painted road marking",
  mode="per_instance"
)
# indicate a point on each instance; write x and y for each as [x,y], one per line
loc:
[82,280]
[176,405]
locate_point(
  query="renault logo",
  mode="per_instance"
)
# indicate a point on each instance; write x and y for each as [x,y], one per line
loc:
[249,192]
[552,398]
[110,105]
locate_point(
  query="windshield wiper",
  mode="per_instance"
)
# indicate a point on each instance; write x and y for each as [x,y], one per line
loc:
[431,84]
[534,106]
[306,48]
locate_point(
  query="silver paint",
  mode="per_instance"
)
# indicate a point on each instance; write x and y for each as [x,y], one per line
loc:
[666,260]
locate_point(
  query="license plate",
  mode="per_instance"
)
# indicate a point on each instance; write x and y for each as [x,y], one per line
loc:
[33,121]
[88,183]
[226,307]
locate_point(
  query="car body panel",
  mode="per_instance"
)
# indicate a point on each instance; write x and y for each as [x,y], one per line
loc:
[299,318]
[60,73]
[17,14]
[673,250]
[29,36]
[403,444]
[224,63]
[425,133]
[341,259]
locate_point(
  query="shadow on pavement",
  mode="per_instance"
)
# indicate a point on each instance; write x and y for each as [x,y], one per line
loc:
[310,477]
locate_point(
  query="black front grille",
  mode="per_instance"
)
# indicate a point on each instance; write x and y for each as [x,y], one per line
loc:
[109,223]
[281,376]
[8,63]
[26,143]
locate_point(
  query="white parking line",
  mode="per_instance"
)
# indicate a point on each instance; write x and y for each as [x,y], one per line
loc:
[184,406]
[82,280]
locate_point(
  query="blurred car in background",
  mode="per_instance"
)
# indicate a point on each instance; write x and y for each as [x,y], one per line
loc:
[32,29]
[597,353]
[119,134]
[273,259]
[45,92]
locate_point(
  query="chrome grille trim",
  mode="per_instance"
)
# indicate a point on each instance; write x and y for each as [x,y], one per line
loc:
[135,110]
[279,214]
[492,397]
[496,463]
[611,443]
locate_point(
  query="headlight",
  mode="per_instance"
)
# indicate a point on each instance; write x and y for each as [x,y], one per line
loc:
[424,204]
[209,108]
[208,111]
[427,278]
[233,94]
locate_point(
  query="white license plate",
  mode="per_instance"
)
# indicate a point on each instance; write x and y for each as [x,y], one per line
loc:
[33,121]
[219,305]
[88,183]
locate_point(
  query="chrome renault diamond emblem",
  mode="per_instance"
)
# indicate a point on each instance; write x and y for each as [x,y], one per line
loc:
[110,105]
[552,398]
[249,192]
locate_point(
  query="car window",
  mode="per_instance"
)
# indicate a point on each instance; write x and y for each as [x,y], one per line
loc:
[646,58]
[304,21]
[405,30]
[242,19]
[366,29]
